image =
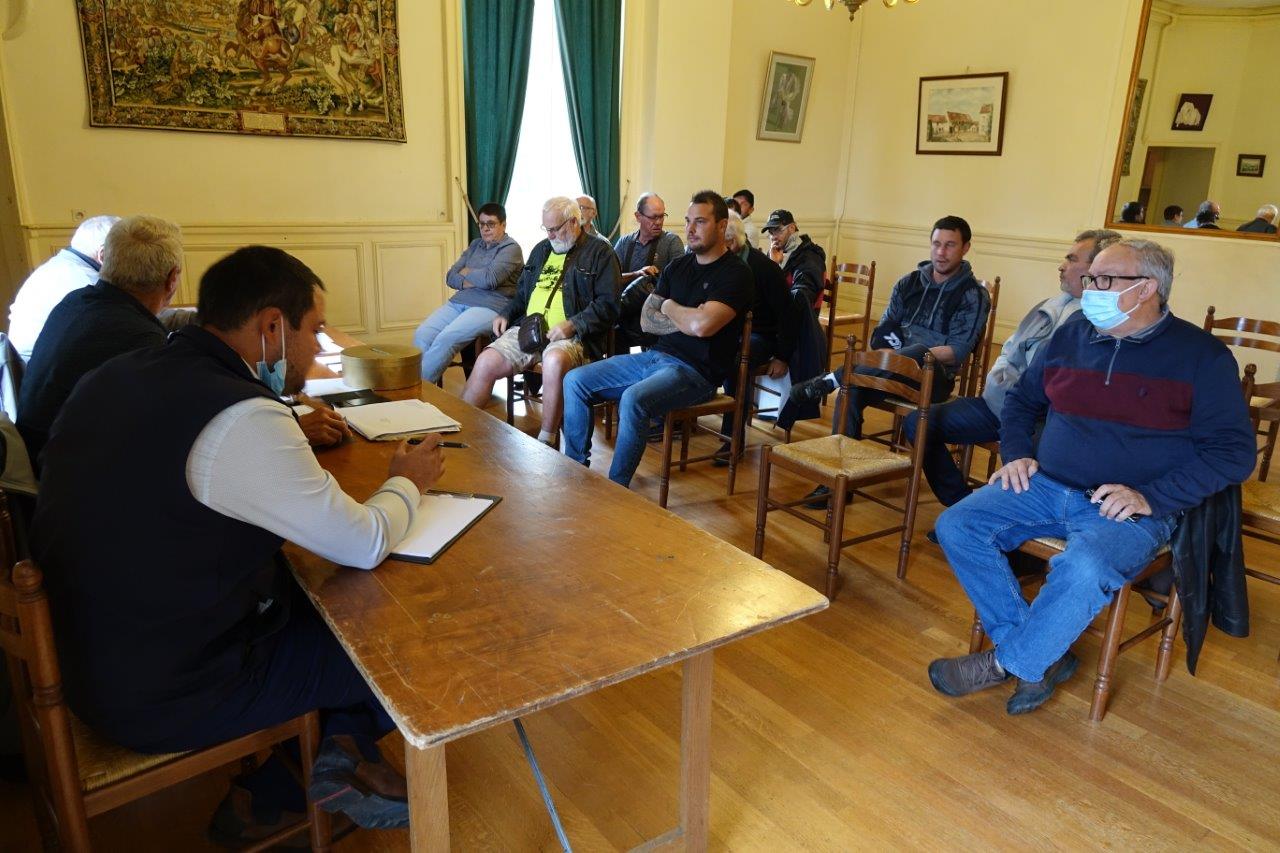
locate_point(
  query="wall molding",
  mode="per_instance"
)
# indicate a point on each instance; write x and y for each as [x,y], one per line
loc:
[351,258]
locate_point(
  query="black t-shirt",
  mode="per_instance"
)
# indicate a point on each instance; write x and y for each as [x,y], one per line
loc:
[690,284]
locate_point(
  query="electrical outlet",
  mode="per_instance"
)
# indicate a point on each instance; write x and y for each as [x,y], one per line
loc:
[77,215]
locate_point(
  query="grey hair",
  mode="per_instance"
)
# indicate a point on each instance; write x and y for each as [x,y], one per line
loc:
[1268,209]
[140,252]
[1101,237]
[734,234]
[1154,261]
[644,197]
[92,233]
[564,207]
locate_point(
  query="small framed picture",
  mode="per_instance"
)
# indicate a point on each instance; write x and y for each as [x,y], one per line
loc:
[962,114]
[786,97]
[1250,165]
[1192,112]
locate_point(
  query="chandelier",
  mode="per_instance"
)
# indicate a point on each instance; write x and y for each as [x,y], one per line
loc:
[852,5]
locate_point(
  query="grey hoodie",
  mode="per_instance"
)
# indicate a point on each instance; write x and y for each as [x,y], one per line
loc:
[1021,347]
[953,313]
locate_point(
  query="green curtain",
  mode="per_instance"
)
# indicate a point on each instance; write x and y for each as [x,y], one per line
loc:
[495,51]
[590,49]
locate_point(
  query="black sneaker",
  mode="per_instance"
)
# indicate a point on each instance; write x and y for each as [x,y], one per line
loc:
[932,536]
[966,674]
[721,459]
[819,498]
[812,391]
[1029,695]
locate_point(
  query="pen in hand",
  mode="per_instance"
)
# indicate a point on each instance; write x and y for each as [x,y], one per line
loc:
[456,445]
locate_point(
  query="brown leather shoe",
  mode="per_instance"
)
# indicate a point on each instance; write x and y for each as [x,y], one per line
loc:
[369,791]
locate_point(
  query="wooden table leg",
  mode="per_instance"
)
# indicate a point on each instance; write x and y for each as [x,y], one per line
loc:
[428,798]
[695,752]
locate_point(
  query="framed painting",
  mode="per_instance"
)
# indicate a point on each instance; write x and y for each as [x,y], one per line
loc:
[265,67]
[786,97]
[1250,165]
[962,114]
[1192,112]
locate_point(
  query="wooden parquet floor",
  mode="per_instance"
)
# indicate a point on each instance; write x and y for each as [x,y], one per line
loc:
[827,735]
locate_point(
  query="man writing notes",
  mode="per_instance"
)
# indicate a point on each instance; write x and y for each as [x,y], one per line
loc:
[697,312]
[1143,419]
[177,621]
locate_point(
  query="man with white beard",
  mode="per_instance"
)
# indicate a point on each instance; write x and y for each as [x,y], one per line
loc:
[572,280]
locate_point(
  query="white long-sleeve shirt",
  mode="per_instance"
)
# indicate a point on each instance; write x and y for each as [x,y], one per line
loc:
[41,293]
[252,462]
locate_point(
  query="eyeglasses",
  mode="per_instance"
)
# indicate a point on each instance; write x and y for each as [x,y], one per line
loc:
[660,218]
[1103,282]
[486,224]
[551,231]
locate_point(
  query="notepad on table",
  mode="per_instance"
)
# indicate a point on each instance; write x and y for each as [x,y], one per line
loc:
[398,419]
[442,518]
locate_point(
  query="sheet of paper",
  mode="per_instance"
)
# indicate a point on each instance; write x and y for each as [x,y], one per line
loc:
[320,387]
[328,344]
[389,421]
[440,518]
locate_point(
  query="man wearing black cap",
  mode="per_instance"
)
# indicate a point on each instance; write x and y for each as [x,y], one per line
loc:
[802,260]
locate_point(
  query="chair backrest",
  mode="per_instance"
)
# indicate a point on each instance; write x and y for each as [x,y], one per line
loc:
[844,276]
[884,370]
[1269,391]
[744,368]
[1259,330]
[973,375]
[26,635]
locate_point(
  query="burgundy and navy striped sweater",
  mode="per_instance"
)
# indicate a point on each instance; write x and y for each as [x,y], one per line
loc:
[1160,411]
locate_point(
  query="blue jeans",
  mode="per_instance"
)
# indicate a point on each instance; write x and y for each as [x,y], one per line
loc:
[964,420]
[1101,556]
[443,335]
[646,385]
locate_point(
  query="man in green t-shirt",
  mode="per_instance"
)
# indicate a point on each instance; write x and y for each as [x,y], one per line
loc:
[571,279]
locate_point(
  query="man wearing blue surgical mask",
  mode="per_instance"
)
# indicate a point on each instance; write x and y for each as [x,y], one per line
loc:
[178,623]
[1143,420]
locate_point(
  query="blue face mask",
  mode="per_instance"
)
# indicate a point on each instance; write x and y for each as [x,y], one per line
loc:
[273,376]
[1102,307]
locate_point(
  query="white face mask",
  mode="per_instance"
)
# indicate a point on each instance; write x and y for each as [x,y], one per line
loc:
[273,375]
[1102,307]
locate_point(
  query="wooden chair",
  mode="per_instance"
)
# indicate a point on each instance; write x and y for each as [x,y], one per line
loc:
[522,392]
[1260,516]
[720,404]
[1246,332]
[845,465]
[970,376]
[829,317]
[1113,640]
[466,358]
[75,774]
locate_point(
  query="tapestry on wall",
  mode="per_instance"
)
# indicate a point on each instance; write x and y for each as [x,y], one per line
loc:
[273,67]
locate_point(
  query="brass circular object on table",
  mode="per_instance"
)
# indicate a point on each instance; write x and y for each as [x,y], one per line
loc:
[382,367]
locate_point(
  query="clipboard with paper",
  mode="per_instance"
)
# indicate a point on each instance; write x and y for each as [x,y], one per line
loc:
[442,518]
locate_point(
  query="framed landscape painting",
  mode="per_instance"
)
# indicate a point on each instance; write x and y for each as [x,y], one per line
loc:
[786,97]
[1250,165]
[269,67]
[962,114]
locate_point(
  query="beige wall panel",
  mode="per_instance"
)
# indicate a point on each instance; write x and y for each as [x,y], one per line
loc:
[410,285]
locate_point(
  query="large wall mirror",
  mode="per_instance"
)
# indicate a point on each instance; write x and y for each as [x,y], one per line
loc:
[1202,126]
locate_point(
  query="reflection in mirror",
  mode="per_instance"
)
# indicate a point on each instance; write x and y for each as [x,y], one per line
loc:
[1204,113]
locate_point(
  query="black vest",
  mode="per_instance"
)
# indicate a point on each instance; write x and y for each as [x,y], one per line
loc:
[155,597]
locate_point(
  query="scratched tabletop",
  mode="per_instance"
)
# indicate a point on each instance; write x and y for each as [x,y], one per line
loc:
[570,584]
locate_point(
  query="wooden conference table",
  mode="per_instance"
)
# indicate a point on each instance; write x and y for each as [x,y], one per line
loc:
[568,585]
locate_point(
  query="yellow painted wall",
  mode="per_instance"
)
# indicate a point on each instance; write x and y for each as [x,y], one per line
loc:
[1069,73]
[377,220]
